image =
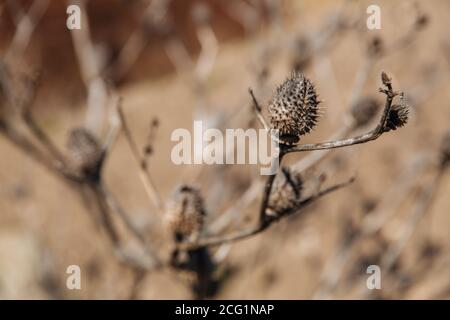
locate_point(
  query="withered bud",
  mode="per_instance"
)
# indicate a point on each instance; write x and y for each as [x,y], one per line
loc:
[445,150]
[294,109]
[398,117]
[85,151]
[286,192]
[385,79]
[185,213]
[364,110]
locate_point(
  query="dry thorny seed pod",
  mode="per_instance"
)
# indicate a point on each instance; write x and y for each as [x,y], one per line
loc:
[86,153]
[294,109]
[364,110]
[398,117]
[185,217]
[398,114]
[185,213]
[286,192]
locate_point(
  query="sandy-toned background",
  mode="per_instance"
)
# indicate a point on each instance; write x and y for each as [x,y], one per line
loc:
[44,226]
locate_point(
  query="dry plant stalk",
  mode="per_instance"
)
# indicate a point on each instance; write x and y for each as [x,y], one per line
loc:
[298,100]
[293,111]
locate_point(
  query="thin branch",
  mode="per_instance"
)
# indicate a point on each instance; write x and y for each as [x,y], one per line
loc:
[369,136]
[144,175]
[115,126]
[218,240]
[105,218]
[266,196]
[43,137]
[316,156]
[115,206]
[136,262]
[258,110]
[137,41]
[90,68]
[25,25]
[36,154]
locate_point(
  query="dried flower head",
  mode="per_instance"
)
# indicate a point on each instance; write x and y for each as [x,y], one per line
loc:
[86,152]
[286,192]
[185,213]
[398,117]
[294,109]
[364,110]
[445,150]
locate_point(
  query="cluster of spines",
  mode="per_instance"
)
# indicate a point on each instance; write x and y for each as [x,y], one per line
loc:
[294,109]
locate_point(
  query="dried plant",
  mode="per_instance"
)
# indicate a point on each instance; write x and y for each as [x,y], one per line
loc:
[294,110]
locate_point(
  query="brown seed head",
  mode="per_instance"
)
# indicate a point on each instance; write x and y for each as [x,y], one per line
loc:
[364,110]
[398,117]
[294,109]
[286,192]
[85,150]
[185,213]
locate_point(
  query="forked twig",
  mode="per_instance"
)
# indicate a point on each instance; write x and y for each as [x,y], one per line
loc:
[369,136]
[214,241]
